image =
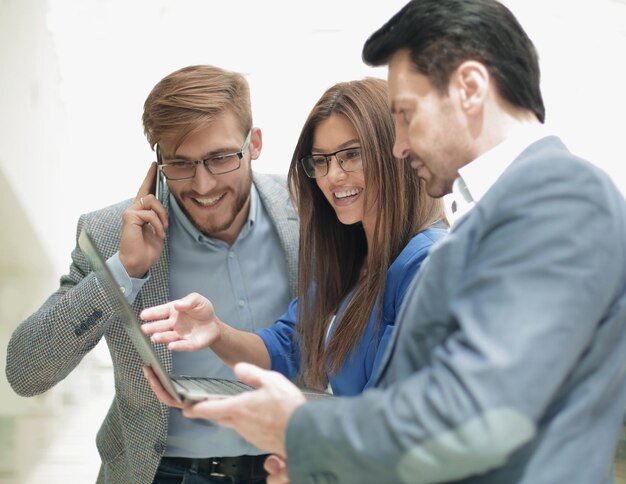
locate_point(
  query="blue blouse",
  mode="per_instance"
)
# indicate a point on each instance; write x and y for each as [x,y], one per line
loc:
[359,368]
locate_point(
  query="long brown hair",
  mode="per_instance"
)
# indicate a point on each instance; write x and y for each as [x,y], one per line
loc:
[332,255]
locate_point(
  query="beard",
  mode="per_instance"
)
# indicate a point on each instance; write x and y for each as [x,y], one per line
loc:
[212,228]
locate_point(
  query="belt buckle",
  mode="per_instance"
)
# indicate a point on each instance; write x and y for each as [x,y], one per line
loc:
[213,469]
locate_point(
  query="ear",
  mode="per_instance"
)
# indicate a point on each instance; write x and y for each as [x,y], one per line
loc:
[256,143]
[472,82]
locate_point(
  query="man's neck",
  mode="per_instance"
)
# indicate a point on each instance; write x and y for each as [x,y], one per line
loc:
[500,125]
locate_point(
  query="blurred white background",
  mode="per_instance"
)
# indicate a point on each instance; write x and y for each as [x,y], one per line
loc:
[75,74]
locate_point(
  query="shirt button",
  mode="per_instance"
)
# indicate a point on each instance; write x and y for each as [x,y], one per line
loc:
[242,303]
[123,289]
[231,255]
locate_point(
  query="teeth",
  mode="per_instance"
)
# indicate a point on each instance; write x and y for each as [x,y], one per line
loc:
[348,193]
[207,202]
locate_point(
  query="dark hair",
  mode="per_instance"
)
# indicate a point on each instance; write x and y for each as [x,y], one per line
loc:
[332,254]
[441,34]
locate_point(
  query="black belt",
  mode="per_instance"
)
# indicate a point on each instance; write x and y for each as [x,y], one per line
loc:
[242,467]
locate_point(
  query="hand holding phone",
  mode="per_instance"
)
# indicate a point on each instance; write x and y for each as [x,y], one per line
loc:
[144,228]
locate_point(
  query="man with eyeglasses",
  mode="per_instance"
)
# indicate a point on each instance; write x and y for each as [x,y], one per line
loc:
[221,230]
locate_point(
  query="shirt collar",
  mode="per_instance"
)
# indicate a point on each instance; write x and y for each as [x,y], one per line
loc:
[191,229]
[478,176]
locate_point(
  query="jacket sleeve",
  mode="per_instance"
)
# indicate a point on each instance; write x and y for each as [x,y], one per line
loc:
[50,343]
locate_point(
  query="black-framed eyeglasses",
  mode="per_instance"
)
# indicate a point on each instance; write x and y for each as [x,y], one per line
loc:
[217,165]
[316,166]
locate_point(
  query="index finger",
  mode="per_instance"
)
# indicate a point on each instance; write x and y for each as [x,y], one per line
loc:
[253,375]
[156,312]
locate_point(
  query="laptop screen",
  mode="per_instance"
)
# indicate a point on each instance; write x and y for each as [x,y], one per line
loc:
[125,312]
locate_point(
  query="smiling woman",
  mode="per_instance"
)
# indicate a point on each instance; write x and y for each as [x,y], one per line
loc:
[362,210]
[339,175]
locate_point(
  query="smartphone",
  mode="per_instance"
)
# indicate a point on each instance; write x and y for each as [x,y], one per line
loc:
[159,183]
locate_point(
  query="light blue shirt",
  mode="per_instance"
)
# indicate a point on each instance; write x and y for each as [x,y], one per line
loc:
[247,284]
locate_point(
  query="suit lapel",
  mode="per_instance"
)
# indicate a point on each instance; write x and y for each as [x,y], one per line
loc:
[154,292]
[275,199]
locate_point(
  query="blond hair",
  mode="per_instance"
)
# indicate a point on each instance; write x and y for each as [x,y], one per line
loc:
[188,99]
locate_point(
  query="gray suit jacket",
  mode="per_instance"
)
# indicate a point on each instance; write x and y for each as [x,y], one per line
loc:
[508,364]
[48,345]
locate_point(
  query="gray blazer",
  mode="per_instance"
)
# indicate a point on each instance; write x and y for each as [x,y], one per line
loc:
[508,364]
[48,345]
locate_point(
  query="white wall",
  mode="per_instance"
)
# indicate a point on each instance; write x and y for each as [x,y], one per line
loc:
[30,120]
[582,50]
[86,149]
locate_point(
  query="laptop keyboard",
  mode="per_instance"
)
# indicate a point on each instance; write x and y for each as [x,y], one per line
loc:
[213,386]
[216,386]
[311,394]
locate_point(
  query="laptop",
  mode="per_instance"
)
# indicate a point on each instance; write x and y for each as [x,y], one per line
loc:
[181,388]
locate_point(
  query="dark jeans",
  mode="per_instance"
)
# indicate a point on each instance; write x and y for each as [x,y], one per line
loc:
[172,473]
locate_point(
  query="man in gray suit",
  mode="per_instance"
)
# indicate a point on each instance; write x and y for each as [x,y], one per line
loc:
[508,364]
[222,231]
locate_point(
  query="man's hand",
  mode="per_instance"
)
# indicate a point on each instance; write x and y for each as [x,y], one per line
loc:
[259,416]
[144,225]
[276,468]
[187,324]
[159,391]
